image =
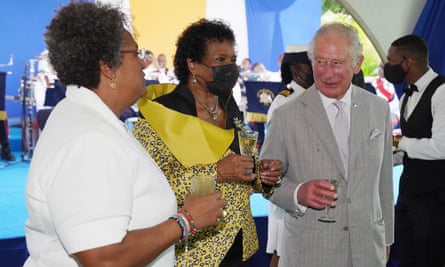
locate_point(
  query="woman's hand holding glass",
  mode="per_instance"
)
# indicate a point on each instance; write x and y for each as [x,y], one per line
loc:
[236,167]
[207,210]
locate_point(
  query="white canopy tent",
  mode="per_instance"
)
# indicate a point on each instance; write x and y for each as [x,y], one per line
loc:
[384,21]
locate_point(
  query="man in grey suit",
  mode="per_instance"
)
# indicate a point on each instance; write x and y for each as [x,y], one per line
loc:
[301,134]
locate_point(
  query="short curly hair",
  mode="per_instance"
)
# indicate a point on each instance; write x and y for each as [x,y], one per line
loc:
[79,36]
[193,41]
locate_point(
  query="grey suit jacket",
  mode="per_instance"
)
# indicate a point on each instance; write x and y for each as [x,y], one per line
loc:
[300,135]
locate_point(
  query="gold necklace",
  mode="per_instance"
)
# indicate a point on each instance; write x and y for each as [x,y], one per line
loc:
[212,111]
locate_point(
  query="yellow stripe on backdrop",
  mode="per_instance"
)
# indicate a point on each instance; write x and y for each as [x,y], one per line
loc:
[158,23]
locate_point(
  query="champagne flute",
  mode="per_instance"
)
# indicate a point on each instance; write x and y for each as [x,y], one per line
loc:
[247,142]
[327,217]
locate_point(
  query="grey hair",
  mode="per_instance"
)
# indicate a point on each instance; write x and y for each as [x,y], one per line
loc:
[336,28]
[82,34]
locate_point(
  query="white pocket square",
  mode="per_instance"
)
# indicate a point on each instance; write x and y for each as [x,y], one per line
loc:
[375,133]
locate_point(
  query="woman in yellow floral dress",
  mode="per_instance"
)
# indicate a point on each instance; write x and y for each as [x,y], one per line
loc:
[191,131]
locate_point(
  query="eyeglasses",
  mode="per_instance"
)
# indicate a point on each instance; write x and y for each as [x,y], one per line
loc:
[141,53]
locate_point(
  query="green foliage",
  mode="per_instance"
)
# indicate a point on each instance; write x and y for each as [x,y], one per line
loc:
[332,5]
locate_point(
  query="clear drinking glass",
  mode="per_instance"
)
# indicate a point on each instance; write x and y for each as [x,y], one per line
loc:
[247,142]
[203,185]
[396,140]
[327,217]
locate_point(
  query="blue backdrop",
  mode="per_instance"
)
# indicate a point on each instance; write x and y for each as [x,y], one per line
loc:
[271,25]
[431,27]
[22,25]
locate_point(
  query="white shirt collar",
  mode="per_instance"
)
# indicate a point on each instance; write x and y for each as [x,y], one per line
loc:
[87,97]
[426,78]
[345,99]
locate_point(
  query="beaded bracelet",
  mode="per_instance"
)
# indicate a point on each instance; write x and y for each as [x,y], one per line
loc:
[189,217]
[185,233]
[186,223]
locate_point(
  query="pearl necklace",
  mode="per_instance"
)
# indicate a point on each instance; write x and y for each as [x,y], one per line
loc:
[212,111]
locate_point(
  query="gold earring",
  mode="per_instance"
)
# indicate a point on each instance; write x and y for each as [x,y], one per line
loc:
[194,79]
[113,85]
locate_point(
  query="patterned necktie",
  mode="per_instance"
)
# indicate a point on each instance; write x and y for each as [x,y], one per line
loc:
[341,131]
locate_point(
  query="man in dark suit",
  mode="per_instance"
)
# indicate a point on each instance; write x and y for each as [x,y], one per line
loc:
[420,209]
[302,135]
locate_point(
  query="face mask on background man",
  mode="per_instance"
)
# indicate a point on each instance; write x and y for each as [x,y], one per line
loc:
[394,73]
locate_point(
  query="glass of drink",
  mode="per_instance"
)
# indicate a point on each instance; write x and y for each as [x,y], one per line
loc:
[203,185]
[396,140]
[247,142]
[327,217]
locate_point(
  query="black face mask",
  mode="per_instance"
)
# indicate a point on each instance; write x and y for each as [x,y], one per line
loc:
[224,79]
[394,73]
